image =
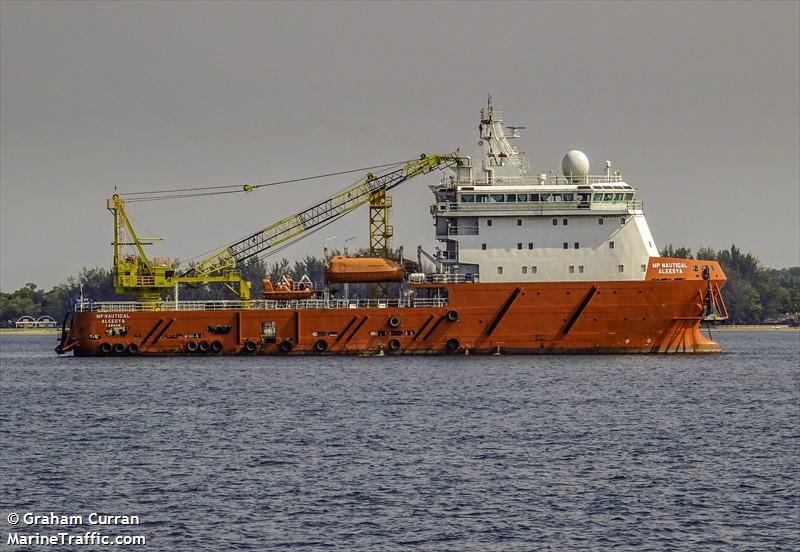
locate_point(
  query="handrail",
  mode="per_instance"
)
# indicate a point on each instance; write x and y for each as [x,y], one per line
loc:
[540,206]
[264,304]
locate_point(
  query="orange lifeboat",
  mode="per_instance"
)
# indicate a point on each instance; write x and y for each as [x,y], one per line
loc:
[360,270]
[287,289]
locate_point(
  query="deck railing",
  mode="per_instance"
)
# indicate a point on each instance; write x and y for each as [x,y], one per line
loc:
[539,207]
[217,305]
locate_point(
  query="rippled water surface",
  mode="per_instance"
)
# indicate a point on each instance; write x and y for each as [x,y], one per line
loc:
[449,453]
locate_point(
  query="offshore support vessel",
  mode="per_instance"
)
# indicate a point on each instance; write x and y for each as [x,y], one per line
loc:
[540,263]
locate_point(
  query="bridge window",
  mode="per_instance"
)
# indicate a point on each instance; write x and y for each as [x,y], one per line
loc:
[568,197]
[621,268]
[584,197]
[533,197]
[611,245]
[597,197]
[511,198]
[544,197]
[556,197]
[468,198]
[618,197]
[608,197]
[497,198]
[481,198]
[522,197]
[628,196]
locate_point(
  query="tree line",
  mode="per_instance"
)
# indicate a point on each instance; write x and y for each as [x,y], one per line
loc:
[754,294]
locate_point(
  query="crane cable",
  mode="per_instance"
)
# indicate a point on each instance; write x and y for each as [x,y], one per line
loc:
[177,193]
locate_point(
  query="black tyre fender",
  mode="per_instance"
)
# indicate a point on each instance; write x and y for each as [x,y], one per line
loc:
[106,348]
[394,321]
[453,344]
[191,346]
[452,315]
[321,345]
[216,346]
[394,344]
[285,346]
[250,346]
[203,347]
[119,348]
[133,349]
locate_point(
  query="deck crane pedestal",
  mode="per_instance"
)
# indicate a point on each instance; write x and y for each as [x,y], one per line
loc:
[148,279]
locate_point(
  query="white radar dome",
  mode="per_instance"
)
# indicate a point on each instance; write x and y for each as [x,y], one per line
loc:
[575,163]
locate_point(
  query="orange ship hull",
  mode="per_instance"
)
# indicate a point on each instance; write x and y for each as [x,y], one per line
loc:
[661,314]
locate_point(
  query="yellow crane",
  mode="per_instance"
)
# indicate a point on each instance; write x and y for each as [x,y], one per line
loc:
[149,278]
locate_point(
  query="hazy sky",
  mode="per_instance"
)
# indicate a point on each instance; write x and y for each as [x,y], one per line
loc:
[696,102]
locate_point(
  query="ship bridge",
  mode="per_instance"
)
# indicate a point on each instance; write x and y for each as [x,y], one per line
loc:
[503,224]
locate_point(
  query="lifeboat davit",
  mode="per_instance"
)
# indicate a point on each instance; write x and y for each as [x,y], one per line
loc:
[287,289]
[359,270]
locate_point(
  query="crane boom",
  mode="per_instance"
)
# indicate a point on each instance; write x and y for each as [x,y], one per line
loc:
[146,280]
[320,213]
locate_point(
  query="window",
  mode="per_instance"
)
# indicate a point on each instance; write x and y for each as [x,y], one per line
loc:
[519,222]
[568,197]
[524,269]
[577,245]
[600,221]
[566,245]
[622,221]
[564,222]
[483,246]
[621,268]
[519,245]
[597,197]
[608,197]
[511,198]
[534,269]
[488,222]
[572,269]
[611,245]
[499,269]
[580,269]
[555,222]
[530,245]
[644,268]
[534,197]
[468,198]
[522,197]
[499,198]
[628,196]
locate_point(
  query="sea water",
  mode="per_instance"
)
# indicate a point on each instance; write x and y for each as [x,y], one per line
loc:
[394,453]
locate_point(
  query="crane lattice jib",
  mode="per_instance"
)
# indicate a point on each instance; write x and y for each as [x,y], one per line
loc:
[323,212]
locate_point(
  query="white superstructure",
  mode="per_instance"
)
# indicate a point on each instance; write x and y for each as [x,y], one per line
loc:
[505,225]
